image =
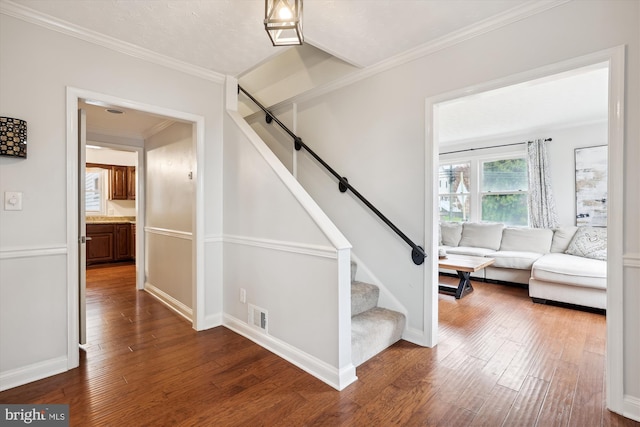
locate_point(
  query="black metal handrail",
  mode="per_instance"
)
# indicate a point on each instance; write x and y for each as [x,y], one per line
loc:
[417,252]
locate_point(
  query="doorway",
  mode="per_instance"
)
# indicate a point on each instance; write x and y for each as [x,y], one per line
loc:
[614,58]
[195,125]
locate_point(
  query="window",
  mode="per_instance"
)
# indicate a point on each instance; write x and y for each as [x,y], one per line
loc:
[485,189]
[95,200]
[504,191]
[453,189]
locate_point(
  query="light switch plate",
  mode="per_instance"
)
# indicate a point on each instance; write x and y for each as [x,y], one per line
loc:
[12,201]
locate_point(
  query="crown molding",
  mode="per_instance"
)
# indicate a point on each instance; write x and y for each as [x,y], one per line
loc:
[508,17]
[18,11]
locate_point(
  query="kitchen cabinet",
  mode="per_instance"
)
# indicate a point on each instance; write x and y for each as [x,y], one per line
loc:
[132,239]
[131,182]
[122,183]
[100,239]
[108,243]
[122,245]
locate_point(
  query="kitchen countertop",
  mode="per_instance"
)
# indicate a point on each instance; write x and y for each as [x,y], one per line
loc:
[110,219]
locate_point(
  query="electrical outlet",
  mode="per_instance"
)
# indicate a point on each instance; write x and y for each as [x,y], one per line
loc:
[243,295]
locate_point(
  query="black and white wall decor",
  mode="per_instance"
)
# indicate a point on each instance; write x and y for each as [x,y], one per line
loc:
[13,137]
[591,186]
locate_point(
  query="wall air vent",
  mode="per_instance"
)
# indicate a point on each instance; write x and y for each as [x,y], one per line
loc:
[258,317]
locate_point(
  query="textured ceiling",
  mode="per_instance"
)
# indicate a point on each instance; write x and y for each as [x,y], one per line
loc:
[228,37]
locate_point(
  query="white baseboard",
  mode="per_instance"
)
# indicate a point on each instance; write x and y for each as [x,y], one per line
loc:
[169,301]
[336,378]
[33,372]
[632,407]
[415,336]
[211,321]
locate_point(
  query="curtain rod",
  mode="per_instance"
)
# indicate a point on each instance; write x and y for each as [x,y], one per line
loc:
[493,146]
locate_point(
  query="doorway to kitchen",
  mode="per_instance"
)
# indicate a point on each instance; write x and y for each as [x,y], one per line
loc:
[164,171]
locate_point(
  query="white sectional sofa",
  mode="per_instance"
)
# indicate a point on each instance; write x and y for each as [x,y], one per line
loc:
[566,265]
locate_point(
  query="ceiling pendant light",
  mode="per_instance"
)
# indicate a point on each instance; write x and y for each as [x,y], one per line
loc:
[283,21]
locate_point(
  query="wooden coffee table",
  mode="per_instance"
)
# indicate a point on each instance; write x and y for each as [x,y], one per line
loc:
[464,265]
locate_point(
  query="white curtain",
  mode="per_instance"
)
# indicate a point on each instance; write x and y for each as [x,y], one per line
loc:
[542,206]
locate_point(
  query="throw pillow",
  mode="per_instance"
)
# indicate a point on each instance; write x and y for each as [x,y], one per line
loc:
[482,235]
[525,239]
[561,238]
[589,242]
[451,233]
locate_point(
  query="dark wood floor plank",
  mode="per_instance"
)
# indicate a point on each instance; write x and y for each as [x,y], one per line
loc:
[501,360]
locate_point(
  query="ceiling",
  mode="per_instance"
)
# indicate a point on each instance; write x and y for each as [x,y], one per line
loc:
[355,33]
[228,37]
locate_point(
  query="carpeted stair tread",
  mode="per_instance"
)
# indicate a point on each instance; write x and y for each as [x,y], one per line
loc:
[374,330]
[364,296]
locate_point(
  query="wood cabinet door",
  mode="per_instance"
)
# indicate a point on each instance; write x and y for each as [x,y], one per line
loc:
[131,182]
[132,239]
[118,183]
[100,245]
[122,244]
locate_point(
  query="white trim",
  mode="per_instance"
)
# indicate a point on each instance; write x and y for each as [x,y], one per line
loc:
[186,235]
[631,260]
[496,22]
[24,13]
[33,372]
[337,239]
[283,246]
[213,238]
[212,321]
[631,407]
[32,252]
[169,301]
[336,378]
[615,57]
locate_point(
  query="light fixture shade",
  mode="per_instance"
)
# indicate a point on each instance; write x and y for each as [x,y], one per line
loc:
[283,22]
[13,137]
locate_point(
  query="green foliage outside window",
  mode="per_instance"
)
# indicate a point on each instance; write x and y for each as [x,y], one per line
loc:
[509,180]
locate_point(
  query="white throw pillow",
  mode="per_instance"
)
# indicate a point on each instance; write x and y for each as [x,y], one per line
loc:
[589,242]
[450,233]
[481,235]
[561,238]
[536,240]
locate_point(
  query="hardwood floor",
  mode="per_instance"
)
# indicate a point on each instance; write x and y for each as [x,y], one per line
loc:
[501,360]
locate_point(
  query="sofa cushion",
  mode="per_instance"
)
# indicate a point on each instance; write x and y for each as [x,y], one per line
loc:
[468,250]
[481,235]
[571,270]
[561,238]
[519,260]
[589,242]
[450,233]
[526,239]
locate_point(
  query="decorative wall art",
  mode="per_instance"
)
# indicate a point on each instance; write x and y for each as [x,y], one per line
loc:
[13,137]
[591,186]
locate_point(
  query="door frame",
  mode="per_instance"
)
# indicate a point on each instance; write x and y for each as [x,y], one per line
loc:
[615,57]
[72,96]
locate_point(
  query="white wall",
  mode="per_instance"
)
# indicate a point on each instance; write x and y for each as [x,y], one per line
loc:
[374,131]
[288,257]
[561,157]
[169,201]
[33,85]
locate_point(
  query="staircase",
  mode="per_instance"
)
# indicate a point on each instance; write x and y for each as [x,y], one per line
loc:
[373,328]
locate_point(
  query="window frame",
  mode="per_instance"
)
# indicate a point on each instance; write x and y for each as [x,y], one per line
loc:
[476,162]
[103,191]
